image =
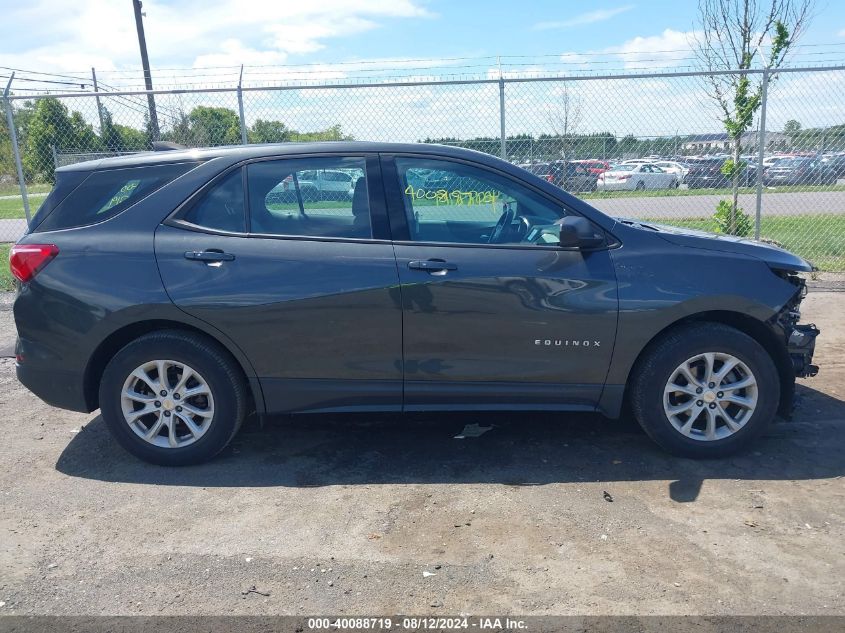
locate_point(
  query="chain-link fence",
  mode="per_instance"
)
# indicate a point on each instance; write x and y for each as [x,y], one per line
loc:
[645,146]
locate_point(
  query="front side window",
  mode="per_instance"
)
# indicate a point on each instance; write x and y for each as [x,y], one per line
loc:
[455,202]
[309,197]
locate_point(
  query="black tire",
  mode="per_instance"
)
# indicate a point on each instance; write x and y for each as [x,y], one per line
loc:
[655,368]
[640,186]
[222,374]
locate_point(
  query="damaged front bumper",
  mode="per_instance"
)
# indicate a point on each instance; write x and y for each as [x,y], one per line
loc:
[801,343]
[800,338]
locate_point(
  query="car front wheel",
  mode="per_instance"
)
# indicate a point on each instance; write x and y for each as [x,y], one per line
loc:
[173,398]
[705,390]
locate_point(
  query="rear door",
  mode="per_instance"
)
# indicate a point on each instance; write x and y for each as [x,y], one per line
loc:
[493,316]
[306,288]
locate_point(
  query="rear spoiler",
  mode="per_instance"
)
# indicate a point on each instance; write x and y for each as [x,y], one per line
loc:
[166,146]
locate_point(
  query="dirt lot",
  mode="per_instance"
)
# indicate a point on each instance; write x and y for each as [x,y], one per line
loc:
[344,515]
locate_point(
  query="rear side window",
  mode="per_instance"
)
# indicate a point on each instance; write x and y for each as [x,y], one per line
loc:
[309,197]
[222,207]
[66,181]
[104,194]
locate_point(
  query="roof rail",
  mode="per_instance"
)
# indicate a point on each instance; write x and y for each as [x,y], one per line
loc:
[166,146]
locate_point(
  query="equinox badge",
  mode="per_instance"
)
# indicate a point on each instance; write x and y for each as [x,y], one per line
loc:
[558,342]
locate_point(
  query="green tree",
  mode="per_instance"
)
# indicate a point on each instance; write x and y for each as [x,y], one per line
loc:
[214,126]
[132,139]
[268,132]
[109,134]
[115,137]
[7,161]
[334,133]
[83,138]
[732,33]
[50,126]
[179,132]
[792,129]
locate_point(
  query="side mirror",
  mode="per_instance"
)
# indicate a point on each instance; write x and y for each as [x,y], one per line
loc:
[577,232]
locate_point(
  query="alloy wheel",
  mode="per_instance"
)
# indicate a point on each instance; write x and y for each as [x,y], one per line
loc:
[167,403]
[710,396]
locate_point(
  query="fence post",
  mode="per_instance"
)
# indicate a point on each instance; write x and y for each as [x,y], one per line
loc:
[97,98]
[503,149]
[13,136]
[241,106]
[761,149]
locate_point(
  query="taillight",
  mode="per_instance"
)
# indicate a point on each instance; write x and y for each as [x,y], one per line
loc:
[549,178]
[624,177]
[26,260]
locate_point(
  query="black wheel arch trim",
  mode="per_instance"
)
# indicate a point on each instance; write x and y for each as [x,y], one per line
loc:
[765,331]
[134,322]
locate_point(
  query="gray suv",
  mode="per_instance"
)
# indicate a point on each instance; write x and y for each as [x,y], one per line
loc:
[177,292]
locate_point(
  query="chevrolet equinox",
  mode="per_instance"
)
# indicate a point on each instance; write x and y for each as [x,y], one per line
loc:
[178,291]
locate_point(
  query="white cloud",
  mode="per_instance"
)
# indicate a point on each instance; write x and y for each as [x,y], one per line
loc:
[668,49]
[101,33]
[232,52]
[591,17]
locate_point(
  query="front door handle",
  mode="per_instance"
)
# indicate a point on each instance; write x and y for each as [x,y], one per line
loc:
[432,265]
[209,255]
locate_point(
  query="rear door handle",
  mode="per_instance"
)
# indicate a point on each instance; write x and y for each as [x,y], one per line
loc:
[432,265]
[209,255]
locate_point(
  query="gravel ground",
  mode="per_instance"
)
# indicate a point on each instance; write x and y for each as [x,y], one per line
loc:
[387,514]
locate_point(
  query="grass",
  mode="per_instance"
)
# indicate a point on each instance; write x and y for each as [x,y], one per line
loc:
[12,209]
[6,281]
[14,190]
[818,238]
[675,193]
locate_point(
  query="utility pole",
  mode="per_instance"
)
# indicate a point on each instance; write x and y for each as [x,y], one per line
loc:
[145,63]
[97,98]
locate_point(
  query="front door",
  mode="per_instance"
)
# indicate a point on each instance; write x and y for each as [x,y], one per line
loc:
[493,312]
[305,287]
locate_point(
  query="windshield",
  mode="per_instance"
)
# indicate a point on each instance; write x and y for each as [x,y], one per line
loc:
[625,167]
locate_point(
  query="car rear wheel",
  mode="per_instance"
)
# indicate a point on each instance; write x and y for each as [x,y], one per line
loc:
[173,398]
[640,186]
[705,390]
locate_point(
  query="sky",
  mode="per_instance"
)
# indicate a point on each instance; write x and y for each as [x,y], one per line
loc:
[73,36]
[286,40]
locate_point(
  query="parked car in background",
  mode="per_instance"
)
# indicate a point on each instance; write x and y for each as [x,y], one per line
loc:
[799,171]
[836,163]
[574,177]
[164,289]
[673,167]
[769,161]
[568,175]
[636,177]
[323,184]
[706,171]
[593,166]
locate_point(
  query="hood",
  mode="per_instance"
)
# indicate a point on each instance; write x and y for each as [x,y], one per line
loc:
[776,257]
